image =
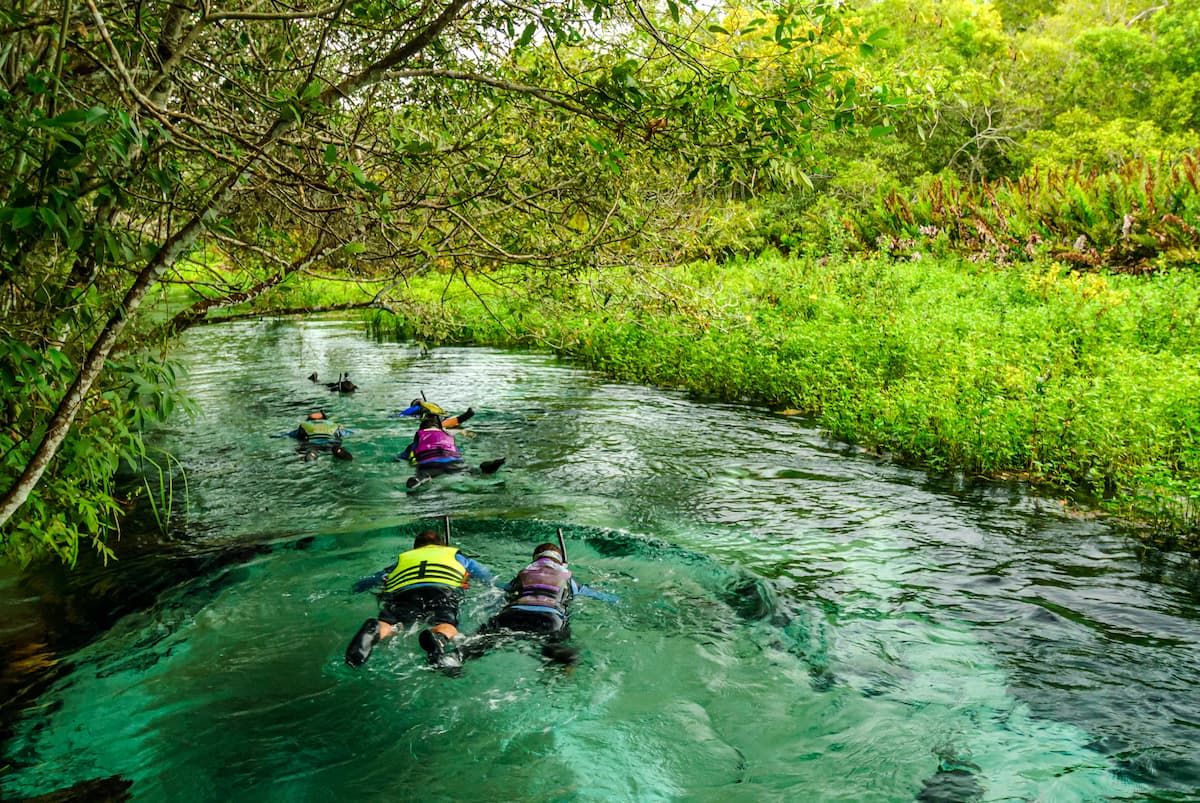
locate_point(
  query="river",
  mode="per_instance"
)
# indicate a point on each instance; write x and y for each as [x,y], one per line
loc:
[796,620]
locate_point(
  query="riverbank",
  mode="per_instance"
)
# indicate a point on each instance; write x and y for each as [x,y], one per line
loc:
[1082,383]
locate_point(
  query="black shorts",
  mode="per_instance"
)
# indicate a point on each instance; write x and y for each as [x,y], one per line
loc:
[434,604]
[533,622]
[438,469]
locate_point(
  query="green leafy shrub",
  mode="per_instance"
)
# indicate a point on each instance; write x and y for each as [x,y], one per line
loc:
[1083,382]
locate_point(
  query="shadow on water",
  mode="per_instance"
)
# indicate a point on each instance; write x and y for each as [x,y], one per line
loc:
[56,612]
[113,789]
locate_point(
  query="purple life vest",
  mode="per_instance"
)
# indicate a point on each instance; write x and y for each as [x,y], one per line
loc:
[544,583]
[433,443]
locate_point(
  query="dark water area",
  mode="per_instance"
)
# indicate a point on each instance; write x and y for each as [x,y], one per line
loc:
[796,620]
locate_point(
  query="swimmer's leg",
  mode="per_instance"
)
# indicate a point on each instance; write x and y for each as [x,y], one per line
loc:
[558,653]
[359,649]
[363,642]
[437,642]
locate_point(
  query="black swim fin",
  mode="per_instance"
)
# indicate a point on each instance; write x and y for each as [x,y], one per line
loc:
[491,466]
[435,645]
[363,642]
[560,654]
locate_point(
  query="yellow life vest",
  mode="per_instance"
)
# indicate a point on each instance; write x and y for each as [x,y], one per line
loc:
[427,564]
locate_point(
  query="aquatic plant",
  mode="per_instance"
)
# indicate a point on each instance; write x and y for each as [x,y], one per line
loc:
[162,501]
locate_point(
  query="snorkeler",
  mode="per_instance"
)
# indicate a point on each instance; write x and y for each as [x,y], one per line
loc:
[422,408]
[343,385]
[425,584]
[434,452]
[318,433]
[537,607]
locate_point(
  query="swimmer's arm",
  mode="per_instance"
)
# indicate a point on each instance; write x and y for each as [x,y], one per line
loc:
[458,420]
[412,410]
[584,591]
[372,581]
[476,569]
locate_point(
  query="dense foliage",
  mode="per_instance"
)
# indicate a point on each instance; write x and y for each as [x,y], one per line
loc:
[213,153]
[1076,381]
[168,162]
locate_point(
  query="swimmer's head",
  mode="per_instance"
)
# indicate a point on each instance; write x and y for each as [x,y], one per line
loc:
[548,550]
[428,538]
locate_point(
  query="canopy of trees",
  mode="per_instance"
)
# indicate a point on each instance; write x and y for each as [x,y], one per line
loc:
[211,151]
[203,154]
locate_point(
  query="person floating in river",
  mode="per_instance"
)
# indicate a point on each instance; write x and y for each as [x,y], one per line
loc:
[434,452]
[317,433]
[537,608]
[422,408]
[425,585]
[343,385]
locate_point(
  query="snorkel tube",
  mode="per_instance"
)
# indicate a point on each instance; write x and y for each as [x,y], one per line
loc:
[446,534]
[562,545]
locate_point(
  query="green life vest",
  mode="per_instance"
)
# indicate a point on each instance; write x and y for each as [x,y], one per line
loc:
[320,428]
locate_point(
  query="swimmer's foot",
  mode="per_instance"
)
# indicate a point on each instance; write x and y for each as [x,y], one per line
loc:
[363,642]
[435,645]
[491,466]
[561,654]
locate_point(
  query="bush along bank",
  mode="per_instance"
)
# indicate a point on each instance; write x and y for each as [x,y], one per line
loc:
[1085,383]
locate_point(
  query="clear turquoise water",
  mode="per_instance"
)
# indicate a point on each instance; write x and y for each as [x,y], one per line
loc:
[797,621]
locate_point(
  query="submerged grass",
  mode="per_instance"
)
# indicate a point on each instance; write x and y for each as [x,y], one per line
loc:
[1087,383]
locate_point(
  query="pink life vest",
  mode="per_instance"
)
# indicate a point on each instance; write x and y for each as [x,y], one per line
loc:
[433,443]
[544,583]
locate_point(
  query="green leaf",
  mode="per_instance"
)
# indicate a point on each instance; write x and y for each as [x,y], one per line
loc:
[88,117]
[51,220]
[877,35]
[330,153]
[527,35]
[22,216]
[673,8]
